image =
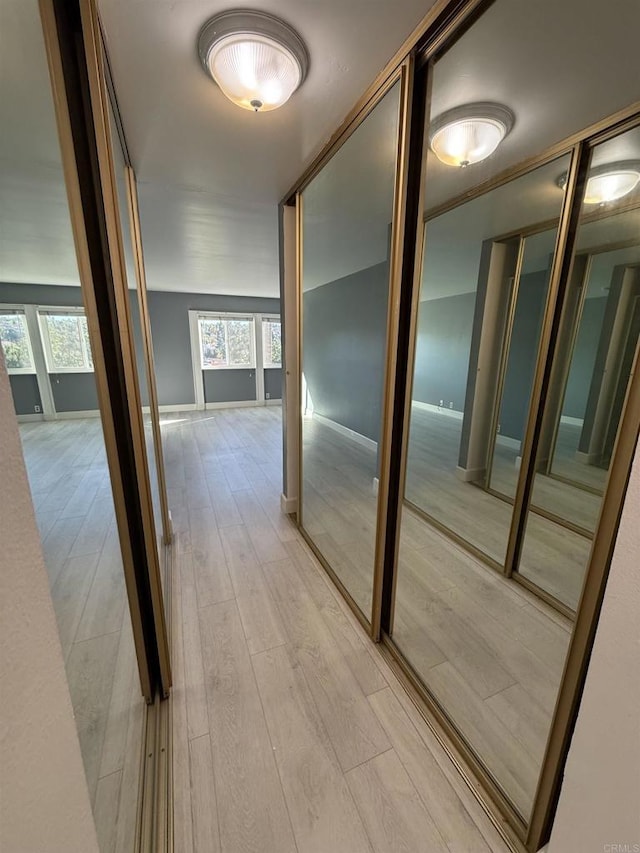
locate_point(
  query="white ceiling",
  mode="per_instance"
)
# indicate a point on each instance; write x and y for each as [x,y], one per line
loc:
[211,174]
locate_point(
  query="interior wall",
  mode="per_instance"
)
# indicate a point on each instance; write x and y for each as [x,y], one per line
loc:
[44,801]
[442,350]
[26,395]
[169,316]
[344,332]
[229,386]
[598,807]
[584,358]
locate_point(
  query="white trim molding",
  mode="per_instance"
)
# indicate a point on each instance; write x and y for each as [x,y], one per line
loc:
[438,410]
[289,506]
[369,443]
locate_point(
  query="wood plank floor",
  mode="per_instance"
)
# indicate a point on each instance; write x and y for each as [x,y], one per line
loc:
[71,493]
[290,732]
[491,652]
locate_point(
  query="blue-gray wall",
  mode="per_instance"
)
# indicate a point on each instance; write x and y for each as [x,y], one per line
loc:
[584,357]
[344,334]
[229,386]
[169,317]
[442,350]
[25,393]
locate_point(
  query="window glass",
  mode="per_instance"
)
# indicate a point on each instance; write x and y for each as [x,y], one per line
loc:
[66,342]
[226,342]
[272,343]
[14,337]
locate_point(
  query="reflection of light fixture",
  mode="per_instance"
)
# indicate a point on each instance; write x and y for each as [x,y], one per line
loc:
[609,182]
[257,60]
[469,133]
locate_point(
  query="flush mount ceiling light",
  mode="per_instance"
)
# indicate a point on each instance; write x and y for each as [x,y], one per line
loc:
[470,133]
[257,60]
[609,182]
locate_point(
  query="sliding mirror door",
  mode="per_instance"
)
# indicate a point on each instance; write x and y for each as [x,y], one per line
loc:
[520,361]
[346,214]
[595,355]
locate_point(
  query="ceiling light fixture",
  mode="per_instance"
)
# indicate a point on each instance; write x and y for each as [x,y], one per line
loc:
[469,133]
[609,182]
[257,60]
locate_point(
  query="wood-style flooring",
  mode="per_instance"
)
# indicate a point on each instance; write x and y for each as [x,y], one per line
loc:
[69,481]
[491,652]
[553,557]
[290,732]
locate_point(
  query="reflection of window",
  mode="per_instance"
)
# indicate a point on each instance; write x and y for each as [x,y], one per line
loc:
[66,341]
[226,342]
[272,342]
[14,337]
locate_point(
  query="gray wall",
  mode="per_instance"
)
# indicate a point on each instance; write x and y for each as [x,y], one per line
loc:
[273,383]
[442,350]
[584,358]
[171,344]
[523,352]
[344,336]
[74,392]
[171,341]
[228,386]
[26,396]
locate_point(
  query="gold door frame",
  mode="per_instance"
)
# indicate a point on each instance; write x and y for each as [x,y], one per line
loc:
[95,59]
[404,76]
[445,22]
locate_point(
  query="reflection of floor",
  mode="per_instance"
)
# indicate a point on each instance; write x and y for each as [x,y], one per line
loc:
[489,651]
[553,557]
[565,463]
[72,497]
[492,652]
[290,733]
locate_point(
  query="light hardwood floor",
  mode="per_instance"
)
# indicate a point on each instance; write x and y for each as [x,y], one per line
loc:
[71,493]
[491,652]
[553,557]
[290,732]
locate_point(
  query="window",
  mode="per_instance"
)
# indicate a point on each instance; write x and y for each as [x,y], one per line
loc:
[14,336]
[271,342]
[65,336]
[226,341]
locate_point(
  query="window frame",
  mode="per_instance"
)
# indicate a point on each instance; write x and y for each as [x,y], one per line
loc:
[61,311]
[266,319]
[21,371]
[226,316]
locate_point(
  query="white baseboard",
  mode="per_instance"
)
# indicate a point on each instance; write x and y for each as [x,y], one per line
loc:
[376,485]
[507,441]
[71,416]
[273,402]
[587,458]
[288,505]
[438,410]
[369,443]
[237,404]
[172,407]
[565,419]
[469,475]
[25,419]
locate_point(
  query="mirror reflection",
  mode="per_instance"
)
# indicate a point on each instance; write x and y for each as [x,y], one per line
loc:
[347,211]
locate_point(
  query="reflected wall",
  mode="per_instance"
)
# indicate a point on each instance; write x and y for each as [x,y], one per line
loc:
[347,211]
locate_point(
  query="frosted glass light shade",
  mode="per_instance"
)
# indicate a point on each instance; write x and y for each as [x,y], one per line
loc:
[257,60]
[610,186]
[469,134]
[609,182]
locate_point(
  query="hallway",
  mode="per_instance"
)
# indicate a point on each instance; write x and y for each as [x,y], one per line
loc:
[290,732]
